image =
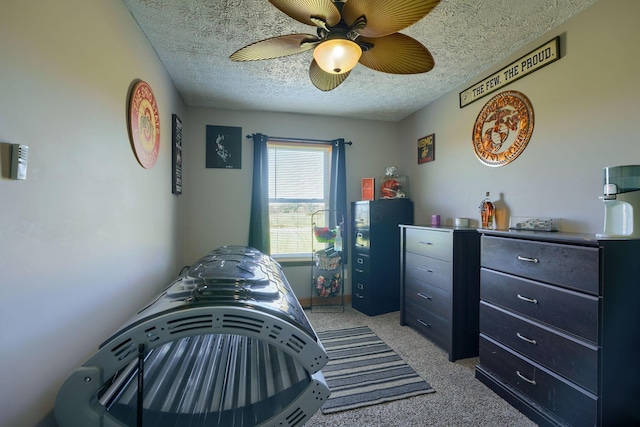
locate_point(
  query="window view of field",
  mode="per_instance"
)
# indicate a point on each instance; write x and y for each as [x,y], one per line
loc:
[292,229]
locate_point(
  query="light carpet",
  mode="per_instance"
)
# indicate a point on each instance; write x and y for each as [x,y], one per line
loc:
[364,371]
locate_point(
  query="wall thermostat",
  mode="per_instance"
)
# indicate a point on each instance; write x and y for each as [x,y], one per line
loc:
[19,157]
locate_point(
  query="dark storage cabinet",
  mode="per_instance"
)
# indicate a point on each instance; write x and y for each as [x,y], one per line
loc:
[440,286]
[375,266]
[559,334]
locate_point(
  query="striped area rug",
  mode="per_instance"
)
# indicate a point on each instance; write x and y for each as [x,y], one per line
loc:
[364,371]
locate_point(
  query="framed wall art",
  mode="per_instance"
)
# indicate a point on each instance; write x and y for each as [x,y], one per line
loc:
[224,147]
[427,149]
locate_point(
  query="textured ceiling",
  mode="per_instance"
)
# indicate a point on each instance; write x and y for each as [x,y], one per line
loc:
[194,38]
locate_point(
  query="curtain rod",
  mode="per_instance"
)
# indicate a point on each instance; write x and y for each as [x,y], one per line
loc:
[312,141]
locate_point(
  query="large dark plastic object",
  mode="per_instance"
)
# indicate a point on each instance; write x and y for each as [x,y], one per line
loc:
[226,344]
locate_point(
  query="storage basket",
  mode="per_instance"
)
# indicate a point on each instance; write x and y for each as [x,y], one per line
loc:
[324,234]
[327,260]
[328,286]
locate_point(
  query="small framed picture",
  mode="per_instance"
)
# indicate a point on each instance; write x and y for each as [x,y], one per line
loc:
[368,188]
[427,148]
[224,147]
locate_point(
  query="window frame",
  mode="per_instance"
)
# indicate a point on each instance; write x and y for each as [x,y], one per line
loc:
[322,146]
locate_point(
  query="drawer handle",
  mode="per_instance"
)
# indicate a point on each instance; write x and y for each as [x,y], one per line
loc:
[359,296]
[359,235]
[421,295]
[525,378]
[360,286]
[358,270]
[531,300]
[426,243]
[427,325]
[523,338]
[425,269]
[527,259]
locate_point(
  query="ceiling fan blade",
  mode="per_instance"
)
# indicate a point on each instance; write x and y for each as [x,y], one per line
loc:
[397,54]
[386,16]
[323,80]
[309,11]
[276,47]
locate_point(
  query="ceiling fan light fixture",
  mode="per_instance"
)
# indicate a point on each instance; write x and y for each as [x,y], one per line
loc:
[337,56]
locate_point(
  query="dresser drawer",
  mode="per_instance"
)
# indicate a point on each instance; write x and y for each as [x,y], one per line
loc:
[575,406]
[571,358]
[429,298]
[436,244]
[575,267]
[570,311]
[360,264]
[434,327]
[428,270]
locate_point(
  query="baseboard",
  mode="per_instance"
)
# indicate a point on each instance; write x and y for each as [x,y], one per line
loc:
[318,301]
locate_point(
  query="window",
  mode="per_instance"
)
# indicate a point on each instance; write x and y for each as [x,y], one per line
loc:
[298,186]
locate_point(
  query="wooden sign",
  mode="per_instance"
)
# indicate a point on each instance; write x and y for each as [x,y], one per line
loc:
[533,61]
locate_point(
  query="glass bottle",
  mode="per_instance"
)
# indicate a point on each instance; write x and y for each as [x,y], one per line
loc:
[337,243]
[487,211]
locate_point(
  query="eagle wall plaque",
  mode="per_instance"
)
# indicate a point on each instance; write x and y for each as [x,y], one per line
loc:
[503,128]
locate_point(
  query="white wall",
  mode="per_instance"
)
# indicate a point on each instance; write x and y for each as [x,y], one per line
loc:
[587,107]
[219,200]
[90,236]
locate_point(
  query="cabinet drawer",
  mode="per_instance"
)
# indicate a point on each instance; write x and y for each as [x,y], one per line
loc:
[360,264]
[571,358]
[430,298]
[434,327]
[572,404]
[570,311]
[361,239]
[359,301]
[360,289]
[361,215]
[436,244]
[575,267]
[428,270]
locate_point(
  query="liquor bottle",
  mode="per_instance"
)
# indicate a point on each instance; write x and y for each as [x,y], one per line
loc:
[487,211]
[337,244]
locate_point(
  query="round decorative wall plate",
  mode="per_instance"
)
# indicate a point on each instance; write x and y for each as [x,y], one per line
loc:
[144,124]
[503,128]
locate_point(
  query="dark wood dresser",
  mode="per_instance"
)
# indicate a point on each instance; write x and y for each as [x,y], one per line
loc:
[375,265]
[560,326]
[440,286]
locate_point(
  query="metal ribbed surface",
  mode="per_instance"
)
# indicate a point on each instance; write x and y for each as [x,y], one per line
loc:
[226,344]
[229,380]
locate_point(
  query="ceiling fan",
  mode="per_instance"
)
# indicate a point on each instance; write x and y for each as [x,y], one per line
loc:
[349,31]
